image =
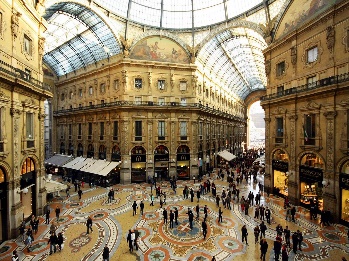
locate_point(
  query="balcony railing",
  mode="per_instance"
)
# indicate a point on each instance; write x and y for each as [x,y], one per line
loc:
[198,106]
[19,74]
[307,87]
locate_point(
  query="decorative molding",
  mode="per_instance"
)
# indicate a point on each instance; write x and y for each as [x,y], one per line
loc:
[310,106]
[15,23]
[294,55]
[279,110]
[330,38]
[310,45]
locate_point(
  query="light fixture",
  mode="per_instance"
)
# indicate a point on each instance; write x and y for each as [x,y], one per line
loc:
[325,183]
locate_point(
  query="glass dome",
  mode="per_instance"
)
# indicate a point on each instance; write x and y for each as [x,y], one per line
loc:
[178,14]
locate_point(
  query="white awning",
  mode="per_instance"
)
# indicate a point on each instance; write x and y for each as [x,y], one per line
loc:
[54,186]
[105,171]
[58,160]
[226,155]
[73,162]
[81,164]
[88,165]
[261,158]
[98,166]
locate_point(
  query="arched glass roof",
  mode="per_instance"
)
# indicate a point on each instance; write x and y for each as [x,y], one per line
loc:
[235,57]
[76,37]
[178,14]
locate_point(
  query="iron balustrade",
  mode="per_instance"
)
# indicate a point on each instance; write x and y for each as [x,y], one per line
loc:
[20,74]
[309,86]
[150,104]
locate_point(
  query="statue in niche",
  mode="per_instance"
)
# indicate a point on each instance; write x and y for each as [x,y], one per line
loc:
[294,55]
[192,53]
[330,38]
[126,44]
[267,67]
[268,29]
[15,23]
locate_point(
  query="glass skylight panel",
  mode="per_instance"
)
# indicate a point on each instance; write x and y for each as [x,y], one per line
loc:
[178,5]
[209,15]
[145,15]
[237,7]
[120,7]
[177,19]
[149,3]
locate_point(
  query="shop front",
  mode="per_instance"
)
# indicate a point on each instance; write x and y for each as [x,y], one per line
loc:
[138,164]
[344,194]
[161,162]
[280,173]
[4,210]
[311,177]
[183,162]
[27,187]
[311,186]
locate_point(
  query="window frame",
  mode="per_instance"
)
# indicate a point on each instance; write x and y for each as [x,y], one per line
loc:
[310,129]
[161,84]
[115,130]
[138,130]
[27,44]
[183,86]
[279,130]
[161,130]
[312,57]
[280,68]
[183,128]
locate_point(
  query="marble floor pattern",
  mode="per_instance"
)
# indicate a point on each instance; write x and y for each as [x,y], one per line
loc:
[159,242]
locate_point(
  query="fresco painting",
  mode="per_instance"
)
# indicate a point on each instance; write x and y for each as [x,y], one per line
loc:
[300,12]
[159,49]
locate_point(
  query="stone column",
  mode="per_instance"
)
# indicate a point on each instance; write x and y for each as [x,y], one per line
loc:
[40,174]
[125,169]
[16,215]
[329,195]
[267,176]
[194,169]
[150,154]
[293,180]
[173,149]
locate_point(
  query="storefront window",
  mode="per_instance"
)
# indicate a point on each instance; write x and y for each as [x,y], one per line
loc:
[344,188]
[280,173]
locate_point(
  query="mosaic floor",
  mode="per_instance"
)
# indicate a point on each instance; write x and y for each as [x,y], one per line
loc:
[159,242]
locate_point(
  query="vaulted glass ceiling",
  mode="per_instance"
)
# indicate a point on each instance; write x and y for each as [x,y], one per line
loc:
[235,57]
[76,37]
[178,14]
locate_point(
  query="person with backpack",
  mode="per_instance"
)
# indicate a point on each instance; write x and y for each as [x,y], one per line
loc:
[60,240]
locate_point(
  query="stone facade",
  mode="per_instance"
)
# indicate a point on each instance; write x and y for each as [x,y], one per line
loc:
[22,96]
[307,104]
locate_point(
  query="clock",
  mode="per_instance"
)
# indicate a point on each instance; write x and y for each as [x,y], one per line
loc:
[138,83]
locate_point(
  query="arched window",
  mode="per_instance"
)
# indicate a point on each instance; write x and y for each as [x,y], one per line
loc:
[27,173]
[102,152]
[90,151]
[62,148]
[80,151]
[115,153]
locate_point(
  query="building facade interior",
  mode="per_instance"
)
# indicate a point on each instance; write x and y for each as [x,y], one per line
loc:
[122,92]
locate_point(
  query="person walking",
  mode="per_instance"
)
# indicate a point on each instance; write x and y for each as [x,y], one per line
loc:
[89,225]
[171,218]
[197,210]
[293,213]
[152,200]
[67,191]
[176,215]
[205,212]
[57,211]
[60,240]
[204,228]
[22,232]
[256,232]
[284,254]
[300,239]
[79,193]
[134,207]
[264,248]
[105,254]
[129,240]
[190,218]
[110,196]
[164,213]
[277,248]
[52,241]
[191,195]
[217,200]
[15,256]
[198,195]
[244,234]
[287,235]
[47,215]
[220,215]
[267,214]
[295,242]
[262,228]
[141,205]
[29,241]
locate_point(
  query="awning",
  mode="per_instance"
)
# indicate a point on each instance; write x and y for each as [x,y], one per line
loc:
[88,165]
[226,155]
[105,171]
[97,166]
[81,164]
[58,160]
[262,159]
[70,164]
[54,186]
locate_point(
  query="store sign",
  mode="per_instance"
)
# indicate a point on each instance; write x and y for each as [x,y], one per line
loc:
[307,173]
[344,181]
[280,165]
[183,156]
[138,158]
[161,157]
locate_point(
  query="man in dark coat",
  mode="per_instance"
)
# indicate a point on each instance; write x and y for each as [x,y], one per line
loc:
[171,218]
[164,213]
[204,228]
[176,216]
[264,248]
[134,207]
[277,249]
[295,242]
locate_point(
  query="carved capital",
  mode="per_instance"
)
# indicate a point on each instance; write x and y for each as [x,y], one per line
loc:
[15,112]
[293,117]
[330,114]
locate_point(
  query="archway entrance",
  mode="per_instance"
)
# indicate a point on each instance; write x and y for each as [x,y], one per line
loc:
[138,162]
[28,194]
[3,205]
[161,161]
[280,173]
[256,126]
[183,162]
[344,193]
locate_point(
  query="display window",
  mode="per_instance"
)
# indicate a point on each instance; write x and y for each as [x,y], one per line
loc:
[281,182]
[345,205]
[311,194]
